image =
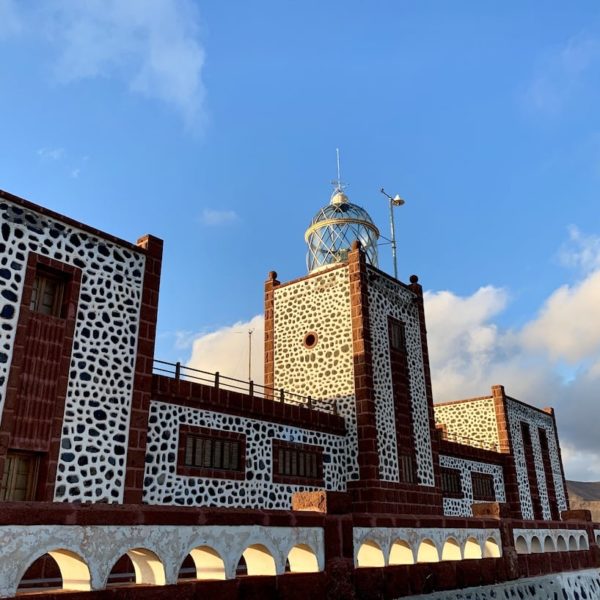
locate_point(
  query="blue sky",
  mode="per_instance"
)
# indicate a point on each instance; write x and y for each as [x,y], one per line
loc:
[213,125]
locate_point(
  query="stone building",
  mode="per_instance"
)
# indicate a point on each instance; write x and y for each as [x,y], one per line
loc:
[338,476]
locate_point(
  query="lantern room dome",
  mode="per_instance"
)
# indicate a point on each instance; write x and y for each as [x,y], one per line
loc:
[334,228]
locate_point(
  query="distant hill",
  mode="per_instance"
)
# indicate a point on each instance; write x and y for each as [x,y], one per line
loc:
[585,495]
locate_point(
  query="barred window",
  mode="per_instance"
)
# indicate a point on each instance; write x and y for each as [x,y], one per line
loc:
[451,483]
[483,486]
[212,453]
[297,462]
[408,473]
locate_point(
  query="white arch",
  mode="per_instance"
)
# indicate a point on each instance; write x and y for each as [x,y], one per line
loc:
[208,563]
[549,545]
[536,545]
[561,544]
[451,550]
[491,548]
[472,548]
[302,559]
[259,560]
[370,555]
[74,571]
[147,566]
[598,540]
[427,552]
[583,542]
[521,545]
[572,543]
[401,553]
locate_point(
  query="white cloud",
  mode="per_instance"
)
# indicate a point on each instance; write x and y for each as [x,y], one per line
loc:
[51,153]
[151,45]
[568,325]
[75,173]
[563,74]
[469,353]
[226,350]
[214,217]
[581,251]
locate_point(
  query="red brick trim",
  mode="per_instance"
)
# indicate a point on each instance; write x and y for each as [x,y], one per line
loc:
[448,448]
[417,289]
[307,481]
[142,384]
[191,471]
[26,204]
[200,396]
[511,484]
[368,455]
[32,441]
[270,284]
[405,437]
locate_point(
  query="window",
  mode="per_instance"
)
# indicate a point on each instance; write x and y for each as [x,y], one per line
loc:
[297,461]
[483,487]
[408,472]
[451,483]
[397,336]
[526,433]
[47,293]
[19,477]
[212,453]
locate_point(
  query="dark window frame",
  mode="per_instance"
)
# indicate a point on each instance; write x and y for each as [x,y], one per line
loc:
[397,334]
[303,463]
[44,278]
[213,444]
[8,486]
[451,480]
[483,487]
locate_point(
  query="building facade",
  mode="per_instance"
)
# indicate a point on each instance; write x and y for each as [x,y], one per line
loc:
[117,465]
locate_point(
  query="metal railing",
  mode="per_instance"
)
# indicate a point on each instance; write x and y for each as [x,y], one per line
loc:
[219,381]
[466,441]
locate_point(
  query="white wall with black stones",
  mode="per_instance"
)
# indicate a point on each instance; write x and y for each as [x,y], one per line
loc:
[388,298]
[516,414]
[318,304]
[162,484]
[462,507]
[91,466]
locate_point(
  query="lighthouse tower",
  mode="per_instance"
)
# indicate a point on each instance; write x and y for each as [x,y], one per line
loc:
[352,336]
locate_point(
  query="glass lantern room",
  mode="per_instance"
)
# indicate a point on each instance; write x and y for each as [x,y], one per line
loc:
[334,228]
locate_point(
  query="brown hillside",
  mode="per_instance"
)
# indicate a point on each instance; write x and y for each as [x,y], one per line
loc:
[585,495]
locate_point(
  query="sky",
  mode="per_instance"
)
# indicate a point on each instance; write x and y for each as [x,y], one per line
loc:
[213,125]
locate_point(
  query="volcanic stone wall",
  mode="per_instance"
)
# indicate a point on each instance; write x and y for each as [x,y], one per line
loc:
[518,413]
[163,483]
[318,305]
[473,420]
[94,438]
[388,298]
